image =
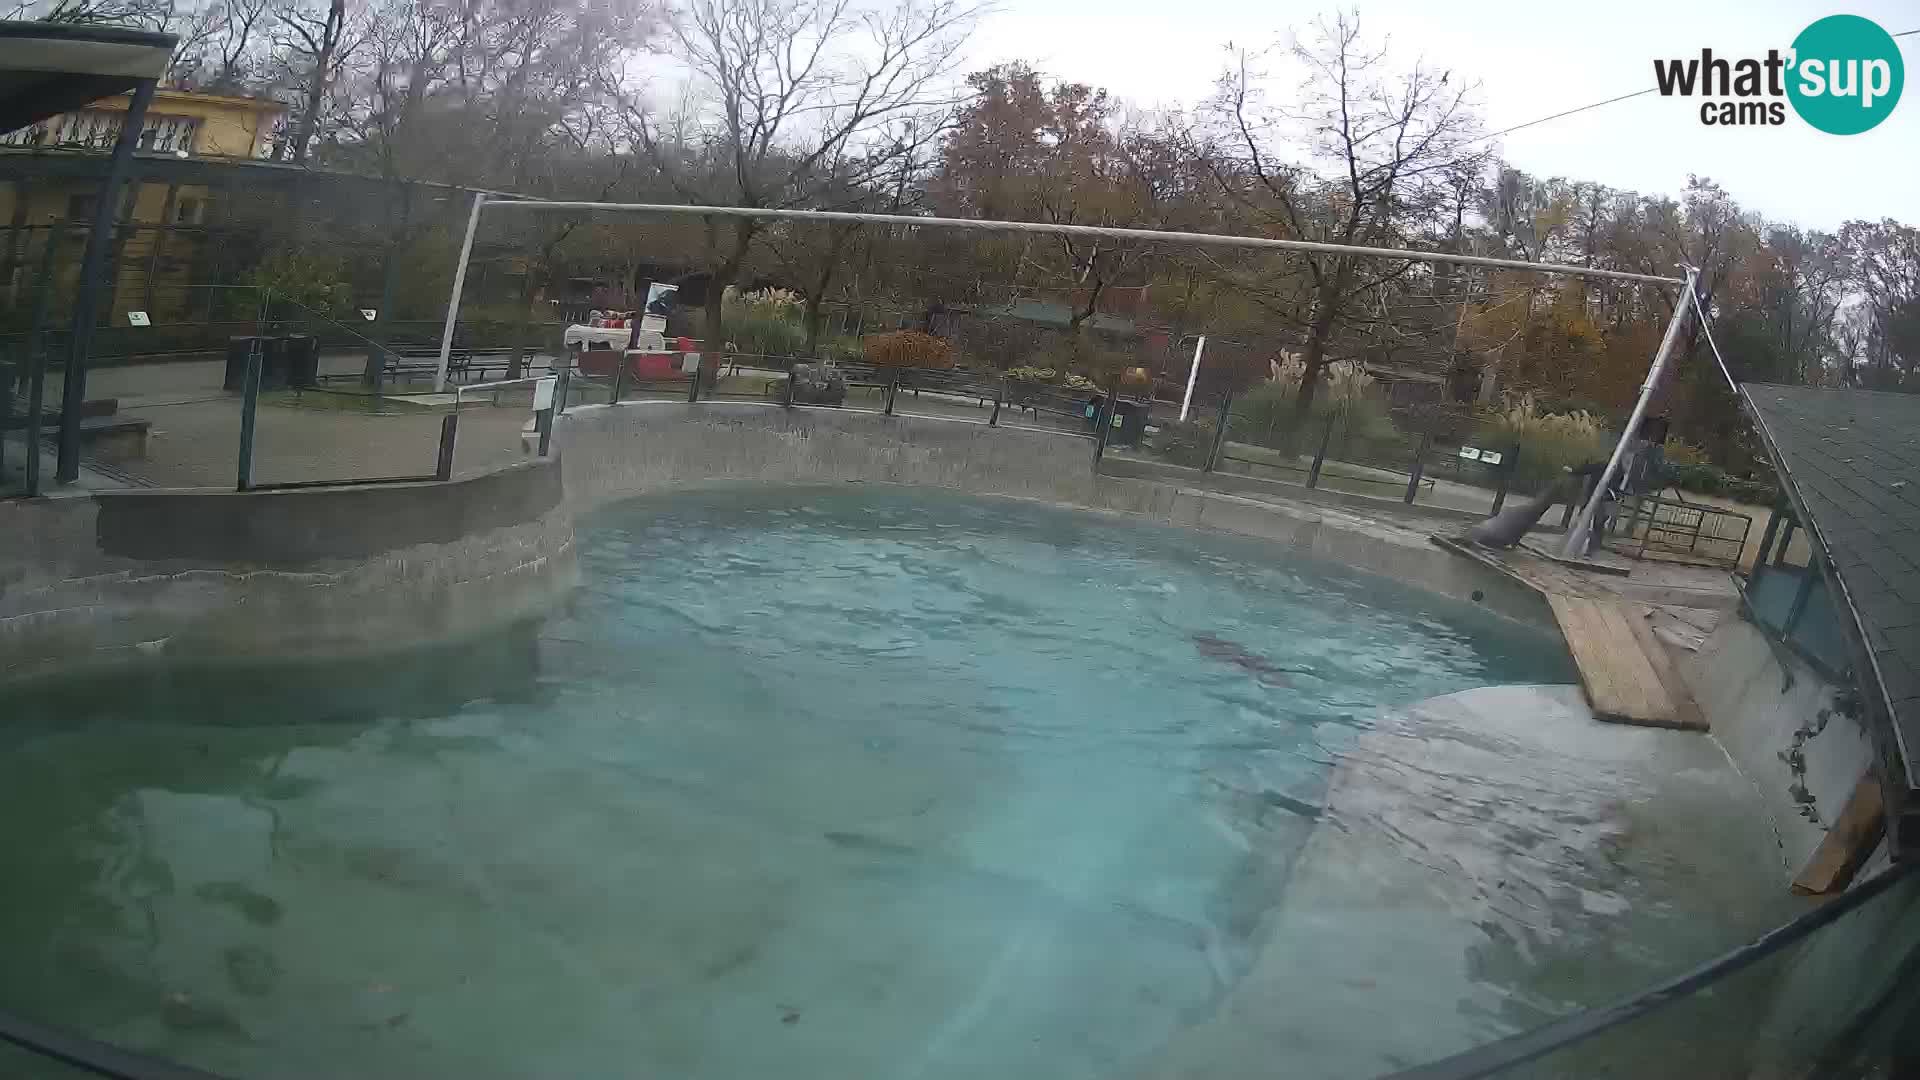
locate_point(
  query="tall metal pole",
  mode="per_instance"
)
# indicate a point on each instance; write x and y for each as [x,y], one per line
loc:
[1582,526]
[453,301]
[1193,373]
[36,352]
[73,388]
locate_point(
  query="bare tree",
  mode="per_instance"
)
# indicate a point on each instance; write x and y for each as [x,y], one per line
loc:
[314,45]
[1363,158]
[145,14]
[789,103]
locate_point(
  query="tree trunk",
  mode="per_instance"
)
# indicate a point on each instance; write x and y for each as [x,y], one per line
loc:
[713,349]
[1315,359]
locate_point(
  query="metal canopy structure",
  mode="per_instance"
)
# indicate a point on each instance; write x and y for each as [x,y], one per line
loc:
[50,68]
[1576,535]
[47,69]
[1846,461]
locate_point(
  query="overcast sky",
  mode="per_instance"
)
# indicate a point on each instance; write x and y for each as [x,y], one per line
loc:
[1532,59]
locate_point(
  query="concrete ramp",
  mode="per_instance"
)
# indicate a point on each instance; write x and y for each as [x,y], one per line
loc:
[1488,861]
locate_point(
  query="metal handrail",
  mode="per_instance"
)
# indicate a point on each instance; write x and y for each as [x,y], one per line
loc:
[498,384]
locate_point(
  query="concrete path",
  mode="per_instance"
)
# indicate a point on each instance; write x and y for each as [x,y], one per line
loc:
[195,438]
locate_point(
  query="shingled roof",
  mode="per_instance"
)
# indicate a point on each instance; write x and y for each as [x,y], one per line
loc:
[1849,461]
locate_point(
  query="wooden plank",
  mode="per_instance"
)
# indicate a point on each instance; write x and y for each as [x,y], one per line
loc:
[1687,712]
[1848,842]
[1634,669]
[1615,671]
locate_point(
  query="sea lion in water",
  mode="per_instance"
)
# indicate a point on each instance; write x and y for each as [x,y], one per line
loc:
[1214,647]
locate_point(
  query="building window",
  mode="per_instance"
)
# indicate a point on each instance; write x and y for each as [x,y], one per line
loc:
[81,207]
[169,134]
[97,129]
[187,212]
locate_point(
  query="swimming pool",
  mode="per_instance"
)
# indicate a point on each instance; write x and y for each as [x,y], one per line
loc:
[815,782]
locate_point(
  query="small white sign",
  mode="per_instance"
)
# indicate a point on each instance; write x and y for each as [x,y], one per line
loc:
[543,394]
[138,318]
[689,363]
[369,314]
[653,324]
[1489,457]
[1471,453]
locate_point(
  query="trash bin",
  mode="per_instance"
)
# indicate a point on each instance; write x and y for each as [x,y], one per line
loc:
[238,349]
[273,362]
[302,353]
[1132,417]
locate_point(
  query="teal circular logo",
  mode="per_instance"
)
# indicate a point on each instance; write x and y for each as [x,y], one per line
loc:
[1846,74]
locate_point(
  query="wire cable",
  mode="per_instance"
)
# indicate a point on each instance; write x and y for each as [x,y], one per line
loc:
[1569,112]
[1706,320]
[1611,100]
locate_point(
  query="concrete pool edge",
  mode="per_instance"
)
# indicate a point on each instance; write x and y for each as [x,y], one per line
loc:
[612,452]
[112,579]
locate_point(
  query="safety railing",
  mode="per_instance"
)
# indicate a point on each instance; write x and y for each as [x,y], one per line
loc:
[1648,526]
[1417,460]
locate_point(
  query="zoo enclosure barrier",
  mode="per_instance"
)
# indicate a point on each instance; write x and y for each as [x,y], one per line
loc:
[293,397]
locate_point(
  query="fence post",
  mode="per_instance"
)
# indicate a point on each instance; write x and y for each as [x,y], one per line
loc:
[1220,431]
[543,423]
[1766,545]
[449,431]
[1418,467]
[37,355]
[1801,595]
[893,387]
[693,383]
[1103,418]
[786,400]
[249,404]
[998,393]
[1506,477]
[1566,515]
[1320,455]
[619,379]
[561,384]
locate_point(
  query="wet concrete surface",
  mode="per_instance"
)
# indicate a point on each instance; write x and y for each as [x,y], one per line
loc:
[1500,850]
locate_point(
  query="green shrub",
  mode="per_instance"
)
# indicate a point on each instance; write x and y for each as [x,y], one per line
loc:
[1705,478]
[769,323]
[1185,442]
[298,284]
[1549,443]
[1264,416]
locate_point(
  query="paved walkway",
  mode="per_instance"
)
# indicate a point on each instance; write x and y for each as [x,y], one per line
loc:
[195,438]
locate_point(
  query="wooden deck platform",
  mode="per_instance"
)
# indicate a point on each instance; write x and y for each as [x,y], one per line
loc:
[1624,669]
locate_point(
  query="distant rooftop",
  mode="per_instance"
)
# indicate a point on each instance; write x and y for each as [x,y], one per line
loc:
[1849,461]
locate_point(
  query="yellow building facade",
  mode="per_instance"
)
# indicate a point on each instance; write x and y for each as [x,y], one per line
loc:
[161,239]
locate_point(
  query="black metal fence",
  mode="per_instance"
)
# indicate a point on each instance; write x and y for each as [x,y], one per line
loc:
[1419,456]
[1648,526]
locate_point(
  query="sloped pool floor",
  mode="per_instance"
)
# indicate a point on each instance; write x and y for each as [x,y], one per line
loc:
[854,782]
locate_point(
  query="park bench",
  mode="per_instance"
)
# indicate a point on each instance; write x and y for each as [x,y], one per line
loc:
[102,429]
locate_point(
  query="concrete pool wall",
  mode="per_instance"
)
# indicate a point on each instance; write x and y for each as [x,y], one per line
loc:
[613,452]
[109,578]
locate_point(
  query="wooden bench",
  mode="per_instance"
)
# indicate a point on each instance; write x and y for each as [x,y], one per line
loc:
[102,429]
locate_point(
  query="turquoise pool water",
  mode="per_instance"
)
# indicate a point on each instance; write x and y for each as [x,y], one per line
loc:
[810,783]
